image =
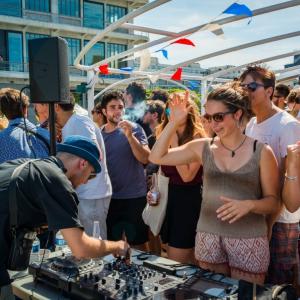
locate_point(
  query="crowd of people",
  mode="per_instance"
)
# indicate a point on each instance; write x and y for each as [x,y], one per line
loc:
[234,182]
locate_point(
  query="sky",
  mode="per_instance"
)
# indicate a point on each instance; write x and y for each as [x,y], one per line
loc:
[178,15]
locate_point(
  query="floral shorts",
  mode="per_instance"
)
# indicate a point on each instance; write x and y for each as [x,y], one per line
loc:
[251,255]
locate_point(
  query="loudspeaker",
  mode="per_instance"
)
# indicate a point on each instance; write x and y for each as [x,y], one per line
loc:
[48,70]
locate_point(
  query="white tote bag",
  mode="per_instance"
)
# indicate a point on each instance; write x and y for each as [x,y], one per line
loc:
[154,216]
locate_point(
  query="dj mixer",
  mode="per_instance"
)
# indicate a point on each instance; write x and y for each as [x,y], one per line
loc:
[152,278]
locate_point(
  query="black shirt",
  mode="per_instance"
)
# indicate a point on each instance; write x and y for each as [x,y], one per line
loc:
[44,196]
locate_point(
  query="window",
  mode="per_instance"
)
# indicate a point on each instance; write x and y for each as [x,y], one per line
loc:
[113,49]
[95,54]
[38,5]
[93,15]
[11,8]
[113,13]
[30,36]
[73,48]
[69,8]
[15,51]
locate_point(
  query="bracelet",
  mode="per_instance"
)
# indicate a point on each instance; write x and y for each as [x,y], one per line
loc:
[290,177]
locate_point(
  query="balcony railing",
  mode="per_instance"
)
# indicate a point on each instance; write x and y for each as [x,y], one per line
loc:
[67,20]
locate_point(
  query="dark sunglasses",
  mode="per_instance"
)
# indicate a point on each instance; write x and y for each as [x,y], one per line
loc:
[92,176]
[252,86]
[217,117]
[95,111]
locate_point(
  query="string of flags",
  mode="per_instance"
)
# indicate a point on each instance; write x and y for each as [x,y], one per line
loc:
[145,55]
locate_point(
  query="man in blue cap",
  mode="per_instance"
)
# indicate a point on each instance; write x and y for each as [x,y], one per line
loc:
[45,195]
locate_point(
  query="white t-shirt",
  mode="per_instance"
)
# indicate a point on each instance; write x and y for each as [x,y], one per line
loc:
[278,132]
[100,186]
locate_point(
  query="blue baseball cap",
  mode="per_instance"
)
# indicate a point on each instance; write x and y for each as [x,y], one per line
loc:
[83,147]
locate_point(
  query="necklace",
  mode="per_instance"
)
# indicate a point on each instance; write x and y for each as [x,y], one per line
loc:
[234,150]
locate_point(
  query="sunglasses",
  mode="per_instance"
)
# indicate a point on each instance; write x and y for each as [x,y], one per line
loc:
[92,176]
[217,117]
[95,111]
[252,86]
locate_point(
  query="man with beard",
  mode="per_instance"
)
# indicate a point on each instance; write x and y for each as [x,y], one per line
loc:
[126,150]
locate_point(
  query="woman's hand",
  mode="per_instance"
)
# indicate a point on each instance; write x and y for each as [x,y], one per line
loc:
[233,209]
[293,154]
[179,108]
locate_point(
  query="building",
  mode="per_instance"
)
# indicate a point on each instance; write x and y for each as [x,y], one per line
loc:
[295,63]
[78,21]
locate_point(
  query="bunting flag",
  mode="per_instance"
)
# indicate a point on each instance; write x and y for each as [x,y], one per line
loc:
[145,59]
[177,74]
[193,85]
[215,29]
[104,69]
[238,9]
[153,78]
[129,69]
[164,53]
[184,41]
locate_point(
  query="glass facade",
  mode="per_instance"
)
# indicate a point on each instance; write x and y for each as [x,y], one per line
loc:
[113,49]
[93,15]
[95,54]
[113,13]
[73,48]
[38,5]
[15,51]
[11,8]
[69,8]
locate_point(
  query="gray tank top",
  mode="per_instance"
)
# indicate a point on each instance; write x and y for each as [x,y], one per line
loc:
[242,184]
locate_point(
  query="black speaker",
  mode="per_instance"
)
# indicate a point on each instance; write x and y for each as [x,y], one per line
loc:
[48,70]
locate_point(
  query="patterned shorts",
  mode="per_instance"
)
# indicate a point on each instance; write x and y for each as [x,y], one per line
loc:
[249,255]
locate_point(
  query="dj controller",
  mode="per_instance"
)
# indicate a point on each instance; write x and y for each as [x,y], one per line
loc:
[117,279]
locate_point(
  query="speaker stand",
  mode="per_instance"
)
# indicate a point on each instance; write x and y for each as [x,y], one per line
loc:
[52,129]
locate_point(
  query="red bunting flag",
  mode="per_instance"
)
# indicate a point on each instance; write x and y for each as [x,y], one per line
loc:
[184,41]
[177,74]
[104,69]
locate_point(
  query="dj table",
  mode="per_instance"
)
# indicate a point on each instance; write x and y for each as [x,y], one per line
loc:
[146,277]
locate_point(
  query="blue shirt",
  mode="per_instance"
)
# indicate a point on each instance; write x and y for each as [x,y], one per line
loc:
[125,171]
[14,142]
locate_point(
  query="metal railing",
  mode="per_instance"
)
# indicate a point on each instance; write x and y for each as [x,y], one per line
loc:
[68,20]
[9,66]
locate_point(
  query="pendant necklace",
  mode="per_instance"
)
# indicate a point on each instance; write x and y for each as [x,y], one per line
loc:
[234,150]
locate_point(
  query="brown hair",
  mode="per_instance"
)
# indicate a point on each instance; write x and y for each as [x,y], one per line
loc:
[294,97]
[259,73]
[193,126]
[10,103]
[68,106]
[233,97]
[156,106]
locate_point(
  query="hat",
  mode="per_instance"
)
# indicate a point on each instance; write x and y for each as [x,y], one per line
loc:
[82,147]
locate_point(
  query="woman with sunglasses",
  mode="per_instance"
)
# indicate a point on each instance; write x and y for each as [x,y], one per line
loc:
[185,182]
[240,185]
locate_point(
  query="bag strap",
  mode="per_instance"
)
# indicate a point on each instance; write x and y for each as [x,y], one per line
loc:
[39,136]
[278,289]
[12,200]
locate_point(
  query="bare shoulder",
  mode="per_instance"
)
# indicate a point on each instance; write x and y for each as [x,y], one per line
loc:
[267,155]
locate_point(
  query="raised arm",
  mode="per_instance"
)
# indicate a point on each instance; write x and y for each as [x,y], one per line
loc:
[185,154]
[291,187]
